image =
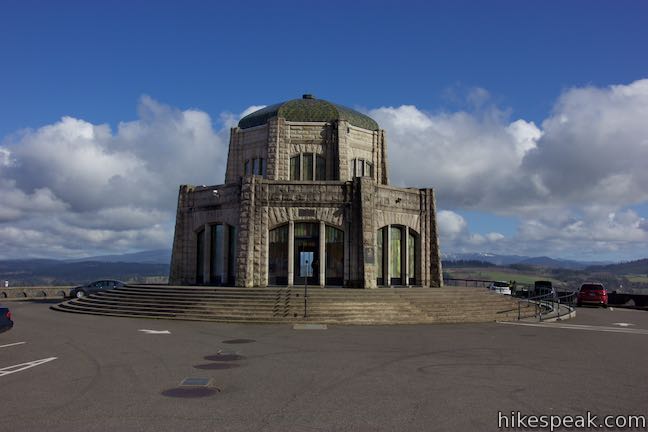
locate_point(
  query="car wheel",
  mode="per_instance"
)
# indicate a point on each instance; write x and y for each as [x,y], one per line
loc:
[80,294]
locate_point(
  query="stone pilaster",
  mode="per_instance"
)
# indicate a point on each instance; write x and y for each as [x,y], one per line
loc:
[274,146]
[245,255]
[436,271]
[343,150]
[367,250]
[231,173]
[382,176]
[181,241]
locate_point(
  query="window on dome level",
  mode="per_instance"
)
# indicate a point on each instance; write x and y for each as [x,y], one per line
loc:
[255,166]
[307,167]
[361,168]
[294,168]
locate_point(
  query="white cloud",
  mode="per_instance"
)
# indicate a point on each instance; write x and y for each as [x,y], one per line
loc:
[561,180]
[72,187]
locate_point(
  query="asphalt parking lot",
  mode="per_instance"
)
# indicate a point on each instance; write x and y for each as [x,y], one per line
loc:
[69,372]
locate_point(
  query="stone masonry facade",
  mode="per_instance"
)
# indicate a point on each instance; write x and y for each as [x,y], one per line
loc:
[259,195]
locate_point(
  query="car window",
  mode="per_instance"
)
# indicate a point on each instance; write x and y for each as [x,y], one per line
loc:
[501,284]
[591,287]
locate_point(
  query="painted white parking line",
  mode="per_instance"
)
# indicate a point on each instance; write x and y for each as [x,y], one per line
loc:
[155,331]
[22,366]
[12,344]
[580,327]
[623,324]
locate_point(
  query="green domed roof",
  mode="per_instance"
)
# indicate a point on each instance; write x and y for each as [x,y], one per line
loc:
[308,109]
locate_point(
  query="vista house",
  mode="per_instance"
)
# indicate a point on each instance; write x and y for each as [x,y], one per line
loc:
[306,178]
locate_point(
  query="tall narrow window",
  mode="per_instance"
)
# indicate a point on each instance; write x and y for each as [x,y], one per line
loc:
[256,170]
[334,256]
[294,168]
[246,170]
[395,250]
[263,168]
[231,257]
[380,240]
[353,168]
[320,170]
[411,258]
[369,171]
[361,167]
[217,244]
[308,166]
[200,256]
[278,256]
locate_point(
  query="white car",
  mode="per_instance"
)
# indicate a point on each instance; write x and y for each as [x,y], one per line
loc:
[500,287]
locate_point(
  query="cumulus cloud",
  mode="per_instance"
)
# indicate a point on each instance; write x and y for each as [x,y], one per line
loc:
[456,236]
[72,187]
[562,179]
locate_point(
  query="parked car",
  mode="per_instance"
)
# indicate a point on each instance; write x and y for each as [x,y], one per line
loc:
[93,287]
[500,287]
[541,288]
[592,293]
[5,319]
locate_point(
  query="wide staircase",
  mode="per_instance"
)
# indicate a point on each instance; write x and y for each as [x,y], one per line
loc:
[277,305]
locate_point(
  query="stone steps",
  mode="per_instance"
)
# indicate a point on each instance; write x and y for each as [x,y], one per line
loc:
[280,304]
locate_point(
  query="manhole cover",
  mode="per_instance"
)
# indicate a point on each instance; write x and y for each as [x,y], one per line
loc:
[224,357]
[309,327]
[190,392]
[239,341]
[215,366]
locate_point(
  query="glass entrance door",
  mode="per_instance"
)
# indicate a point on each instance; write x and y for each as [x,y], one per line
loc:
[306,240]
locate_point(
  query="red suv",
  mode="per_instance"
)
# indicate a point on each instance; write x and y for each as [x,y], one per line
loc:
[593,293]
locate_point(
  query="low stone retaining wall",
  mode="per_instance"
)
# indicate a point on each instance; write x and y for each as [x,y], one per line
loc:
[30,293]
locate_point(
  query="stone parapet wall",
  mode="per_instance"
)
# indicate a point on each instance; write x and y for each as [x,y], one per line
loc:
[35,292]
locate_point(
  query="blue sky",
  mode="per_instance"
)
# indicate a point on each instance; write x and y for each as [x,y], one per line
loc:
[481,65]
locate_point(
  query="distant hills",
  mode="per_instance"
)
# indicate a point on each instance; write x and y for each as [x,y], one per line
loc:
[507,260]
[638,267]
[153,266]
[146,266]
[156,256]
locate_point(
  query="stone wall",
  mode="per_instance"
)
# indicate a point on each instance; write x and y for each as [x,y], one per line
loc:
[254,205]
[198,207]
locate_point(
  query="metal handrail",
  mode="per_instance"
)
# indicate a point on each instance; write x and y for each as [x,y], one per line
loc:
[548,302]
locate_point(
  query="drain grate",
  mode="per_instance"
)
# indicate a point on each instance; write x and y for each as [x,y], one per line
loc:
[310,327]
[238,341]
[198,382]
[217,366]
[192,388]
[190,392]
[225,357]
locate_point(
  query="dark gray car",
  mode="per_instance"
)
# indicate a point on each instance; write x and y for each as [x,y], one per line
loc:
[5,319]
[93,287]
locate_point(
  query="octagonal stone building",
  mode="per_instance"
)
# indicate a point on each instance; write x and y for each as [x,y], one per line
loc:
[306,179]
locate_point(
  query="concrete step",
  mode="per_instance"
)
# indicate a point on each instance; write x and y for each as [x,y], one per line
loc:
[348,306]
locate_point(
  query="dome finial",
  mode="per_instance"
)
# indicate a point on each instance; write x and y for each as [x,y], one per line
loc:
[308,96]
